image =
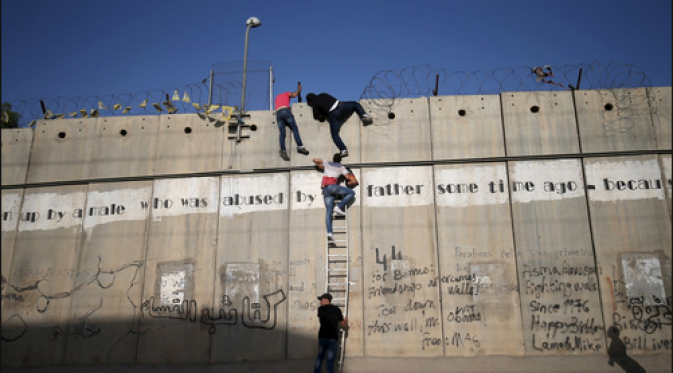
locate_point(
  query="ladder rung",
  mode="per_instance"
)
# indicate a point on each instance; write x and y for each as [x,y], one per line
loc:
[337,255]
[338,269]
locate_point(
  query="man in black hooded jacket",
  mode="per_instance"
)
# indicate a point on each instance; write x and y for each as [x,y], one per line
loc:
[327,107]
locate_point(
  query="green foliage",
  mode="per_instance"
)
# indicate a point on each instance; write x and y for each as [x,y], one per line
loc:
[10,119]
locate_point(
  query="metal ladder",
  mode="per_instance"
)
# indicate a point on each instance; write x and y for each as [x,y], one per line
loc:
[336,281]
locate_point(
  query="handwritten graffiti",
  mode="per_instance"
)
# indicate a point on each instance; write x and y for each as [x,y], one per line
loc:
[82,330]
[104,279]
[251,315]
[384,261]
[14,328]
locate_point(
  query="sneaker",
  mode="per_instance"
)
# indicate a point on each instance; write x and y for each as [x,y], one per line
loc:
[338,211]
[283,154]
[302,150]
[344,153]
[367,120]
[330,238]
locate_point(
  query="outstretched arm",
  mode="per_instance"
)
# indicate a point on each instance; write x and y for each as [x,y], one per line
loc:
[318,162]
[297,92]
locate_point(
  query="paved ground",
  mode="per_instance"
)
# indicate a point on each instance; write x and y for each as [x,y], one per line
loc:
[500,364]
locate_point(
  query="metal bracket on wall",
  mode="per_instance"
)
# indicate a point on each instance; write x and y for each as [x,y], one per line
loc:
[236,126]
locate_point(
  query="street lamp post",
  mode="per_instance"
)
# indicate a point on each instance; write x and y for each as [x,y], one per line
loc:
[252,22]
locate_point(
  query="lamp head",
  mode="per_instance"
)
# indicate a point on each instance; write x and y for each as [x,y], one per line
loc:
[253,22]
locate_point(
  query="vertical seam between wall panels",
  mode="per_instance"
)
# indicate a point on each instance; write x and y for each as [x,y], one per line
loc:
[287,264]
[214,261]
[148,226]
[511,222]
[80,238]
[432,154]
[30,156]
[662,171]
[362,265]
[362,272]
[504,136]
[156,150]
[586,201]
[436,229]
[577,122]
[437,260]
[593,248]
[650,109]
[516,256]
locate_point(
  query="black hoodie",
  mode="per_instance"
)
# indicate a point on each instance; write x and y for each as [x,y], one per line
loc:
[321,104]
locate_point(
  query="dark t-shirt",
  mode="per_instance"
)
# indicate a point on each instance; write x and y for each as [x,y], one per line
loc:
[329,316]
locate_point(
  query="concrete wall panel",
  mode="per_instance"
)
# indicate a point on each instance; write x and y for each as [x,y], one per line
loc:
[539,123]
[404,138]
[258,151]
[125,147]
[402,310]
[189,143]
[632,236]
[660,101]
[180,274]
[560,306]
[16,146]
[251,268]
[62,150]
[43,276]
[307,266]
[317,138]
[466,127]
[480,297]
[105,314]
[614,120]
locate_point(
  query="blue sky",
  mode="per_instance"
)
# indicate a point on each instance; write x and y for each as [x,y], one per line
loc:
[79,48]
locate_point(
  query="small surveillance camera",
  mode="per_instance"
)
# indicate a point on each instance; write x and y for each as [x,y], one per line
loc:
[253,22]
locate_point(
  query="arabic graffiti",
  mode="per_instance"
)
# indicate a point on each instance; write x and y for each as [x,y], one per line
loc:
[251,315]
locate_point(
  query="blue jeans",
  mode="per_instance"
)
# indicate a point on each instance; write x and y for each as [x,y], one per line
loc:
[330,346]
[285,118]
[329,193]
[344,109]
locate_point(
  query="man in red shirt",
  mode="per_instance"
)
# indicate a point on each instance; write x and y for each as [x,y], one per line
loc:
[284,118]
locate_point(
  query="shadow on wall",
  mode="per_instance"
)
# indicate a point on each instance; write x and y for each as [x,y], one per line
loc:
[617,353]
[119,342]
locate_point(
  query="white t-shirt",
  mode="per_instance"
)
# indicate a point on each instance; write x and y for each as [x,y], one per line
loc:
[333,169]
[332,172]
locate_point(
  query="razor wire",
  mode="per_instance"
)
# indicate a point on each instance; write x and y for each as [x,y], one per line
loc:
[189,98]
[388,87]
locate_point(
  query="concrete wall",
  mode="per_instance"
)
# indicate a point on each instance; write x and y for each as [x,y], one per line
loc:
[515,256]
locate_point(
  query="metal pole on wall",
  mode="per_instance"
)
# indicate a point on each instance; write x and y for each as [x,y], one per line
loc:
[252,22]
[270,87]
[210,89]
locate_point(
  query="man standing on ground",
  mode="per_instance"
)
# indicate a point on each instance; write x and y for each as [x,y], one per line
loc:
[330,188]
[327,107]
[330,317]
[284,118]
